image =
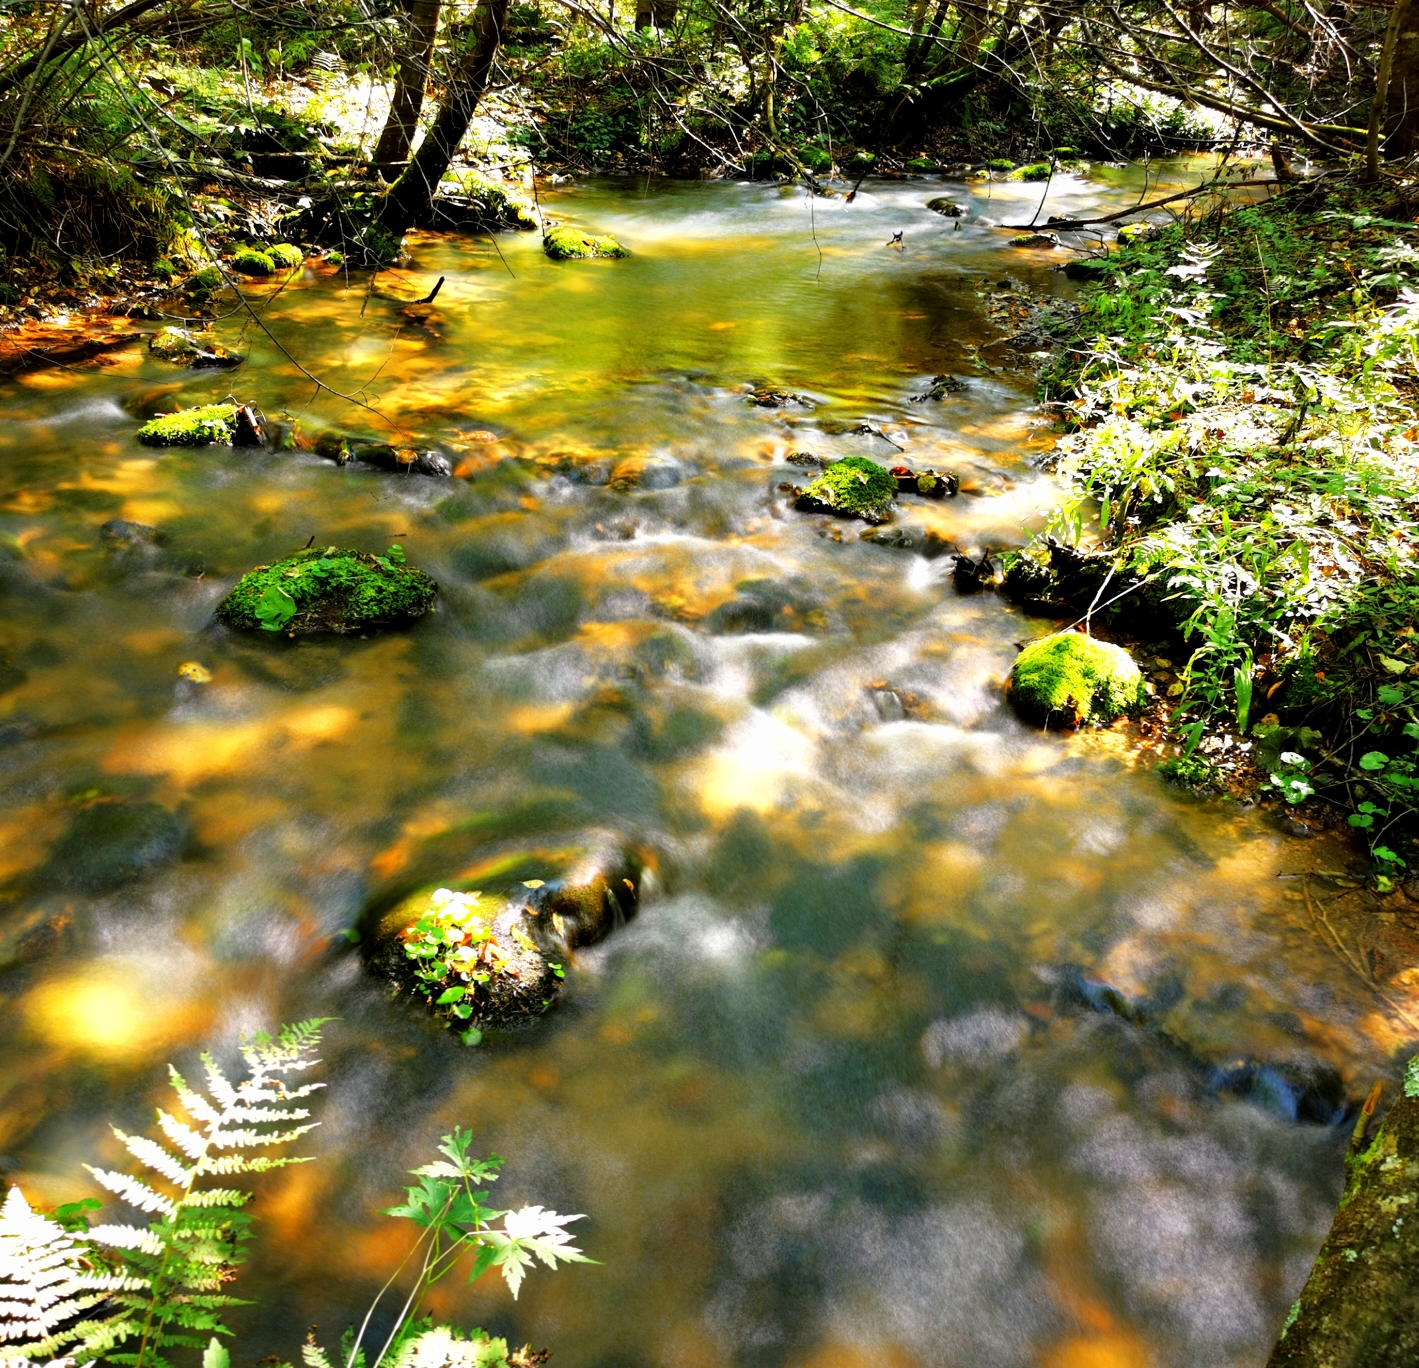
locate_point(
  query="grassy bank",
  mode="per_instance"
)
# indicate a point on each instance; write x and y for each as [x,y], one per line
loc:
[1242,465]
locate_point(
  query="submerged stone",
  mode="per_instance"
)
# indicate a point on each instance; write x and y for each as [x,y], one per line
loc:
[112,843]
[332,590]
[948,207]
[568,244]
[851,488]
[1069,678]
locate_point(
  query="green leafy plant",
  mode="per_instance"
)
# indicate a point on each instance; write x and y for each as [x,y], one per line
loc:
[161,1282]
[1293,777]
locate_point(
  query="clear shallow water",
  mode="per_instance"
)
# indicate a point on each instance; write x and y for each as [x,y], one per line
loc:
[843,1092]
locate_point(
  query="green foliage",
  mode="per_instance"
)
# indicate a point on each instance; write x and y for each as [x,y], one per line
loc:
[329,590]
[130,1293]
[1189,771]
[853,487]
[1069,678]
[204,425]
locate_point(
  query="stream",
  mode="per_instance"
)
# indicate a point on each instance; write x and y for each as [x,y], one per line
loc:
[936,1041]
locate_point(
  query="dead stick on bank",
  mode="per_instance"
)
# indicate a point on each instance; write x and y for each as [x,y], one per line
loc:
[1139,208]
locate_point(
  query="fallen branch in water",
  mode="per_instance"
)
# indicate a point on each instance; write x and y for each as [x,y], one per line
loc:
[1139,208]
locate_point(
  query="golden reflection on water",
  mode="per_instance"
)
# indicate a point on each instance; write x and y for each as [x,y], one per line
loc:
[828,1100]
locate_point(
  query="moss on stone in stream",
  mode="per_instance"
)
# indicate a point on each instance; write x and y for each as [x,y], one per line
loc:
[204,425]
[330,590]
[568,244]
[852,488]
[1069,678]
[252,261]
[285,257]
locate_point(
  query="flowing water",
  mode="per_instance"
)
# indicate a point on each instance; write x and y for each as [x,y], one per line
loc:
[923,1048]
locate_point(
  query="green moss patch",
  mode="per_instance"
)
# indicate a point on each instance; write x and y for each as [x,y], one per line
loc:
[253,261]
[205,425]
[285,257]
[942,205]
[1069,678]
[173,344]
[205,281]
[1035,171]
[851,488]
[568,244]
[332,590]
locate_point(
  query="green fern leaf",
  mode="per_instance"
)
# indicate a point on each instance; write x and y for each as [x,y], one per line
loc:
[158,1159]
[133,1190]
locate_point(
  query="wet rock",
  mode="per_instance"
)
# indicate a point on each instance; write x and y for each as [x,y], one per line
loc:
[946,207]
[130,544]
[766,396]
[1068,679]
[1034,240]
[804,458]
[205,425]
[930,484]
[498,960]
[199,350]
[337,447]
[1087,268]
[1139,232]
[923,541]
[1295,1090]
[851,488]
[941,387]
[330,590]
[760,605]
[112,843]
[971,576]
[645,472]
[568,244]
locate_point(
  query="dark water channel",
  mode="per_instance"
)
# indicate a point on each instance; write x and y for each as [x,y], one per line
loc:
[913,1055]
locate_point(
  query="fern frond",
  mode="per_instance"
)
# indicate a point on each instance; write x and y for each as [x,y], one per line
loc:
[224,1093]
[193,1102]
[128,1237]
[44,1283]
[218,1197]
[158,1159]
[313,1356]
[133,1190]
[254,1139]
[182,1135]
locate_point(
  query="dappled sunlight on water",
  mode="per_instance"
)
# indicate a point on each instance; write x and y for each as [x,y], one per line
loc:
[937,1040]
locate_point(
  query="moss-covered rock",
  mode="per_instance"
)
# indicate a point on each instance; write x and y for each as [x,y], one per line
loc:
[483,960]
[851,488]
[332,590]
[206,281]
[285,256]
[173,344]
[947,207]
[1034,240]
[252,261]
[205,425]
[1000,164]
[1034,171]
[1069,678]
[568,244]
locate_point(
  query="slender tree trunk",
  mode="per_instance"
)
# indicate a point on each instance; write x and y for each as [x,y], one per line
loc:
[1360,1306]
[1401,112]
[409,197]
[409,86]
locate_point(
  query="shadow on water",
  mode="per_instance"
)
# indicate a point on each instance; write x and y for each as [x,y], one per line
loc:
[935,1041]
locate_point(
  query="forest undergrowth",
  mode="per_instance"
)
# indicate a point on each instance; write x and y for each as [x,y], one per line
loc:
[1241,465]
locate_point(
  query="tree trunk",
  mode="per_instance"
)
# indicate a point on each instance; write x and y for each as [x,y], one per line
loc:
[1360,1306]
[409,86]
[410,196]
[1401,107]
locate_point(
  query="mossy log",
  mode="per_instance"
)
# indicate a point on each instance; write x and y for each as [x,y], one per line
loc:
[1360,1306]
